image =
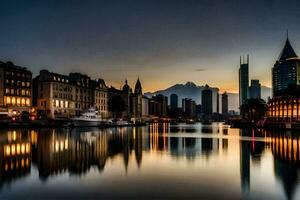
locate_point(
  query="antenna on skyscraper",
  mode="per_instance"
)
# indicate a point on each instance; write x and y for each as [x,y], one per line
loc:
[287,34]
[247,58]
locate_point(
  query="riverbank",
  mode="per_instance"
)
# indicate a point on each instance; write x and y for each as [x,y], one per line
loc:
[49,123]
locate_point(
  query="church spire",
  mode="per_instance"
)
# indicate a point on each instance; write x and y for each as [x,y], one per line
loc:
[138,87]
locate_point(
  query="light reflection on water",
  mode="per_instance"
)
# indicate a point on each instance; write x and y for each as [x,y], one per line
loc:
[206,161]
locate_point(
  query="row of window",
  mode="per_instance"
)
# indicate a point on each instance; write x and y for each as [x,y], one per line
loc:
[63,96]
[83,106]
[17,83]
[60,79]
[59,87]
[23,92]
[18,74]
[81,98]
[102,101]
[100,94]
[60,103]
[16,149]
[16,101]
[101,108]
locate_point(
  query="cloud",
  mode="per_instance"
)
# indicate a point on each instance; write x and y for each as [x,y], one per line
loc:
[200,69]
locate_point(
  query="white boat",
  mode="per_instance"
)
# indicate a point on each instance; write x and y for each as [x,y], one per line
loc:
[89,118]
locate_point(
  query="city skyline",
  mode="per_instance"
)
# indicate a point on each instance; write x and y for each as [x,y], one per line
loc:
[125,39]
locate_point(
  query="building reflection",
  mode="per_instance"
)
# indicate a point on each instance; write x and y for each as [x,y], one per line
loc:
[286,151]
[57,151]
[251,151]
[15,155]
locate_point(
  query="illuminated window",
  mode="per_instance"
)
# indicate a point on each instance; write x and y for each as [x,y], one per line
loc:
[56,103]
[23,102]
[13,150]
[23,92]
[23,148]
[8,100]
[66,104]
[13,101]
[12,91]
[18,149]
[61,104]
[27,102]
[18,101]
[7,150]
[7,91]
[27,148]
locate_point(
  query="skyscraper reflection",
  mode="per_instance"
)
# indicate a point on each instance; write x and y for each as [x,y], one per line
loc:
[286,151]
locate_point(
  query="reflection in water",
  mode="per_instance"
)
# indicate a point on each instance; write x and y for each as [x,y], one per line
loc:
[60,151]
[15,151]
[286,150]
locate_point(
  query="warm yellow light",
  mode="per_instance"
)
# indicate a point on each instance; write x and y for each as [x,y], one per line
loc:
[18,149]
[23,148]
[56,146]
[7,150]
[13,149]
[27,148]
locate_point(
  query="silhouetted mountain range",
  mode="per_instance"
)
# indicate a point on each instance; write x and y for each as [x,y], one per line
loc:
[191,90]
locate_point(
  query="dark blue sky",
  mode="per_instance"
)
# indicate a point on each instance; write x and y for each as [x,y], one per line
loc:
[164,42]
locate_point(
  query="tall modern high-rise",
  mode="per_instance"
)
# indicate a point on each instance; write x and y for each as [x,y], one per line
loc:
[286,70]
[189,107]
[243,80]
[255,90]
[174,100]
[207,103]
[224,103]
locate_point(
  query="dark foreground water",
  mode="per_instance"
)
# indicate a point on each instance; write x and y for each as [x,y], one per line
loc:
[158,161]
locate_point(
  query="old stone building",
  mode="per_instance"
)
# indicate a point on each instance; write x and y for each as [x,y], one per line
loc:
[15,88]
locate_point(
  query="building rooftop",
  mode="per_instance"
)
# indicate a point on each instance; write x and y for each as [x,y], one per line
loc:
[287,52]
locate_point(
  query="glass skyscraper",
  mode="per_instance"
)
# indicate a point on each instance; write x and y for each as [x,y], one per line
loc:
[243,80]
[286,70]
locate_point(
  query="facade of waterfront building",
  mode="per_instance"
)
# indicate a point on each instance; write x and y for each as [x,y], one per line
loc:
[174,101]
[84,92]
[58,95]
[207,100]
[54,95]
[225,103]
[15,88]
[100,97]
[286,70]
[255,90]
[243,81]
[284,109]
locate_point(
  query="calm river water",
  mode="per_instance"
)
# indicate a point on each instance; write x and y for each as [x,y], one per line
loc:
[157,161]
